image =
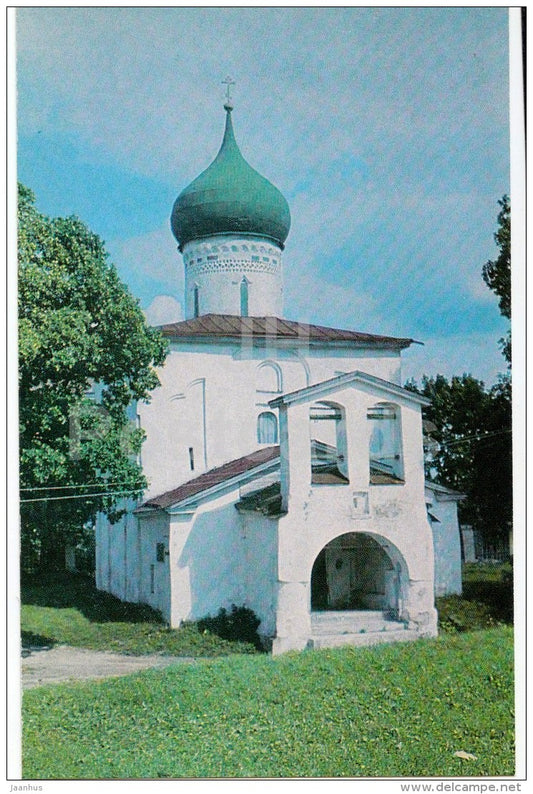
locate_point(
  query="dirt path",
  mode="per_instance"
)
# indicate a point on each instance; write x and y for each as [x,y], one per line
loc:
[63,663]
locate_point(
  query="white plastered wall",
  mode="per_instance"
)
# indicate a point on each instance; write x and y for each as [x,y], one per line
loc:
[208,400]
[219,557]
[117,555]
[317,514]
[446,543]
[154,578]
[216,266]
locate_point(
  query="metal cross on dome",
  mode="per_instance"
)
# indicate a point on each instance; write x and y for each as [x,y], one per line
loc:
[228,82]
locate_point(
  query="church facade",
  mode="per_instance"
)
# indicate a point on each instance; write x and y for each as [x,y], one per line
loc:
[284,460]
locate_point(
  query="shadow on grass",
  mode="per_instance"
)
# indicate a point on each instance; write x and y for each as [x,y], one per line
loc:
[67,590]
[497,597]
[487,599]
[36,641]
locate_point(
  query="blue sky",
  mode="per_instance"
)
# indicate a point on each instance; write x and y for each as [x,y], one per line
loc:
[386,129]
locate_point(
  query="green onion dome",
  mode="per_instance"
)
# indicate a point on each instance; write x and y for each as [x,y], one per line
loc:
[230,197]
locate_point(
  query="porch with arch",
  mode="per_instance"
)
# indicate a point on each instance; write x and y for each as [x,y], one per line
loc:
[358,587]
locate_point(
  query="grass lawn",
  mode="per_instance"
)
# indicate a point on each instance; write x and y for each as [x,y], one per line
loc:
[392,710]
[68,610]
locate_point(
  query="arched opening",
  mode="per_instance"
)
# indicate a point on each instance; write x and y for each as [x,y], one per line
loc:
[267,428]
[268,378]
[386,458]
[359,572]
[329,456]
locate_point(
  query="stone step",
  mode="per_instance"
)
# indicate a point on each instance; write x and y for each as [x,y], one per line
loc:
[353,623]
[362,638]
[332,614]
[359,627]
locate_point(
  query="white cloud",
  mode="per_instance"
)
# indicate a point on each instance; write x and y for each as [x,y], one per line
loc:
[476,354]
[149,263]
[316,81]
[384,127]
[163,309]
[310,298]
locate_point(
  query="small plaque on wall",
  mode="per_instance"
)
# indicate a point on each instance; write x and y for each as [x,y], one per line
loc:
[360,504]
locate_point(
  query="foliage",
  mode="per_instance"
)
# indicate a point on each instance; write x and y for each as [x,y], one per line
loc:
[241,623]
[78,327]
[457,614]
[471,449]
[67,609]
[487,599]
[492,585]
[388,711]
[468,442]
[497,273]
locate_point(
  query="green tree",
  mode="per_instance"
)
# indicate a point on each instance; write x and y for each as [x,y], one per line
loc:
[497,272]
[468,427]
[79,328]
[470,447]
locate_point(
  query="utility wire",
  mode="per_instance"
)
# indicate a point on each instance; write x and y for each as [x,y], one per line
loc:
[82,485]
[478,437]
[75,496]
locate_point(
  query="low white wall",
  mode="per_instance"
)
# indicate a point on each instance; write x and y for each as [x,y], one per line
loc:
[220,557]
[207,561]
[260,549]
[447,546]
[154,578]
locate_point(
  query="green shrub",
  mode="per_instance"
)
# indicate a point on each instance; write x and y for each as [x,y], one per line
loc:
[459,614]
[491,585]
[487,599]
[507,572]
[240,623]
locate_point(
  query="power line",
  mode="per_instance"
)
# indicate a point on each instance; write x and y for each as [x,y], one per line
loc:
[82,485]
[75,496]
[478,437]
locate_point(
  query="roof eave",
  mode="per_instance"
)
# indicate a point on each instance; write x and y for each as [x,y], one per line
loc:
[212,490]
[264,329]
[341,381]
[263,339]
[443,493]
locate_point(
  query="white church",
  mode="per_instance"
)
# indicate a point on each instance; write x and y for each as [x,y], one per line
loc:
[284,460]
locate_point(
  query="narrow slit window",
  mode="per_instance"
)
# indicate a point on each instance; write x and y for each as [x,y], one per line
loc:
[191,458]
[196,298]
[267,428]
[160,552]
[152,578]
[244,297]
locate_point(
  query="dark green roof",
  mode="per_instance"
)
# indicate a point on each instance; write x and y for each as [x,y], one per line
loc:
[230,197]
